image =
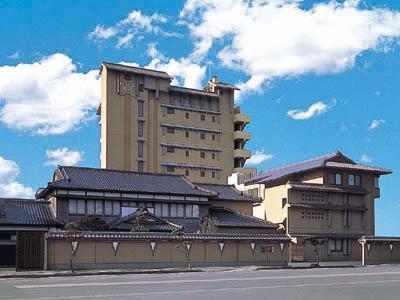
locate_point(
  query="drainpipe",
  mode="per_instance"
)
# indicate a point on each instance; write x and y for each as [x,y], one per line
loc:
[362,241]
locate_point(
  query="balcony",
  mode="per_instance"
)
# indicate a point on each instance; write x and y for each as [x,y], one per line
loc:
[241,118]
[241,153]
[241,135]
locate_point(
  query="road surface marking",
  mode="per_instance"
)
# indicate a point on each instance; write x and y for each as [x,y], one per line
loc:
[88,284]
[230,289]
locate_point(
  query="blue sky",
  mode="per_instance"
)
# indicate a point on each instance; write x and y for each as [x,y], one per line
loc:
[316,76]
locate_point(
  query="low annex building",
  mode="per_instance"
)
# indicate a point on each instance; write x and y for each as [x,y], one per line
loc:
[23,224]
[330,197]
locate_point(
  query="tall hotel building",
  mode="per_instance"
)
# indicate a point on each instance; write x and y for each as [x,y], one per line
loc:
[149,125]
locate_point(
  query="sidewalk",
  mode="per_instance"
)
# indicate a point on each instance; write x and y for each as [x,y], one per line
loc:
[11,273]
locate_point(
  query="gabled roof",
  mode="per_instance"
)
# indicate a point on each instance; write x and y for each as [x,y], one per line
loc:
[226,217]
[227,192]
[331,160]
[95,179]
[133,69]
[149,221]
[26,212]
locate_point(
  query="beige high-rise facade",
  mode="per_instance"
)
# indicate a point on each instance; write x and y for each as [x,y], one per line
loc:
[149,125]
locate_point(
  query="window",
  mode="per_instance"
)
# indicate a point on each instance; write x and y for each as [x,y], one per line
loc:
[351,180]
[187,115]
[90,207]
[354,180]
[187,172]
[221,92]
[164,210]
[202,174]
[72,206]
[357,180]
[81,207]
[99,207]
[335,178]
[141,87]
[376,182]
[140,129]
[170,169]
[336,245]
[213,137]
[116,208]
[213,174]
[108,208]
[171,149]
[170,130]
[195,211]
[140,148]
[173,210]
[203,117]
[181,210]
[187,133]
[140,166]
[170,111]
[157,209]
[188,211]
[202,136]
[140,108]
[213,119]
[213,155]
[128,210]
[187,153]
[202,155]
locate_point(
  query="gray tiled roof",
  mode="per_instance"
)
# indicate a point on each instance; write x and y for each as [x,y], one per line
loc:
[360,167]
[326,188]
[137,70]
[336,159]
[26,212]
[327,235]
[328,206]
[106,235]
[227,192]
[80,178]
[150,222]
[226,217]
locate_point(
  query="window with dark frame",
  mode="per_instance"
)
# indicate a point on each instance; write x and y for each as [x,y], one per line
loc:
[170,149]
[187,115]
[170,111]
[202,154]
[140,108]
[213,155]
[187,153]
[202,136]
[203,117]
[187,133]
[213,137]
[170,130]
[140,128]
[140,149]
[202,174]
[171,169]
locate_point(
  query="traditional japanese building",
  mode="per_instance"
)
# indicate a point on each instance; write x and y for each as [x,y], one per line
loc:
[330,197]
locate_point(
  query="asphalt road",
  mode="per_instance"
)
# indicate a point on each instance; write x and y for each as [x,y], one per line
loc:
[370,283]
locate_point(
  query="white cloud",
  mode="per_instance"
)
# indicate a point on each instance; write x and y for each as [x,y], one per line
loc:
[47,97]
[376,123]
[314,110]
[15,55]
[64,157]
[259,157]
[365,158]
[102,33]
[9,187]
[279,38]
[133,26]
[184,71]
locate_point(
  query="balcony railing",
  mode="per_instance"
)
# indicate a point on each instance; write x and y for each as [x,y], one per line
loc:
[241,135]
[241,153]
[241,118]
